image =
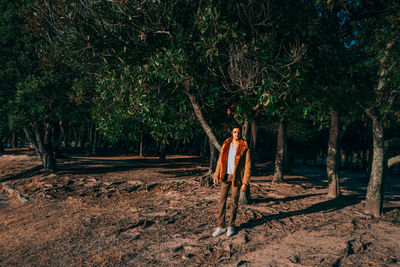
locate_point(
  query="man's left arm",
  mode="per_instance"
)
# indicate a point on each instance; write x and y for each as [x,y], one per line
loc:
[247,170]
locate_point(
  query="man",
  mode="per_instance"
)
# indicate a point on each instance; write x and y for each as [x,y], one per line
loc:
[233,170]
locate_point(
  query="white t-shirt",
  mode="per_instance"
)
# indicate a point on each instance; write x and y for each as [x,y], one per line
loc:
[231,159]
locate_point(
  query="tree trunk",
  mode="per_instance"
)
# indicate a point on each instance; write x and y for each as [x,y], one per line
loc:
[253,145]
[204,149]
[374,198]
[141,144]
[364,158]
[14,139]
[49,162]
[199,114]
[207,179]
[280,151]
[393,161]
[213,158]
[67,136]
[163,151]
[1,145]
[40,137]
[245,198]
[370,157]
[246,130]
[332,157]
[94,140]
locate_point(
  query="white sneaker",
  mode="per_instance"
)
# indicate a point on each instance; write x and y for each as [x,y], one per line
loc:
[218,231]
[231,231]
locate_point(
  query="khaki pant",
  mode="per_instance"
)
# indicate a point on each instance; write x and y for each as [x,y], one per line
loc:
[225,186]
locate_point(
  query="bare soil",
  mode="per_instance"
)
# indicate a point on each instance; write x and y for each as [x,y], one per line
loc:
[126,210]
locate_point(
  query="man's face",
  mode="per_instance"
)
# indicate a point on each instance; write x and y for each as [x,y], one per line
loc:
[236,133]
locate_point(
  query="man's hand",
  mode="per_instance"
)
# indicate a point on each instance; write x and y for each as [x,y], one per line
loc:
[243,187]
[216,180]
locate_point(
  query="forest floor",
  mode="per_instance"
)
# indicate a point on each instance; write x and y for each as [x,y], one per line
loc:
[125,210]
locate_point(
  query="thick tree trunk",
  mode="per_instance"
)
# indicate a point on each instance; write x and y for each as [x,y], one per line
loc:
[213,159]
[374,198]
[332,157]
[199,114]
[41,139]
[49,162]
[245,197]
[246,131]
[280,153]
[207,179]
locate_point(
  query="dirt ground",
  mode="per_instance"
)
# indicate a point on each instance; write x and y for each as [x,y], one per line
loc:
[132,211]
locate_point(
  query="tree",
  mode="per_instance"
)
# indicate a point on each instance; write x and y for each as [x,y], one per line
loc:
[15,54]
[39,100]
[378,45]
[39,108]
[255,51]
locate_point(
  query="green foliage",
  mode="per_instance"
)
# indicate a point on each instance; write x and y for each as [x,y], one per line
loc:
[377,45]
[40,99]
[133,62]
[13,53]
[127,103]
[260,50]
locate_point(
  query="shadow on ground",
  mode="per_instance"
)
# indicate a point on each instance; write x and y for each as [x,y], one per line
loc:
[25,174]
[87,165]
[286,199]
[101,166]
[325,206]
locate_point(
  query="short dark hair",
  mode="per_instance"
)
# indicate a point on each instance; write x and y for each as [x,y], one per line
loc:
[236,126]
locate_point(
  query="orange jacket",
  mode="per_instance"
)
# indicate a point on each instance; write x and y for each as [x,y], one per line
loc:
[241,174]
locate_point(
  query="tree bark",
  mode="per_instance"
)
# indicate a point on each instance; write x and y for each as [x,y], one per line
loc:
[204,149]
[374,198]
[14,139]
[213,158]
[41,140]
[370,156]
[332,157]
[207,179]
[253,144]
[245,198]
[280,151]
[49,161]
[246,130]
[200,116]
[393,161]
